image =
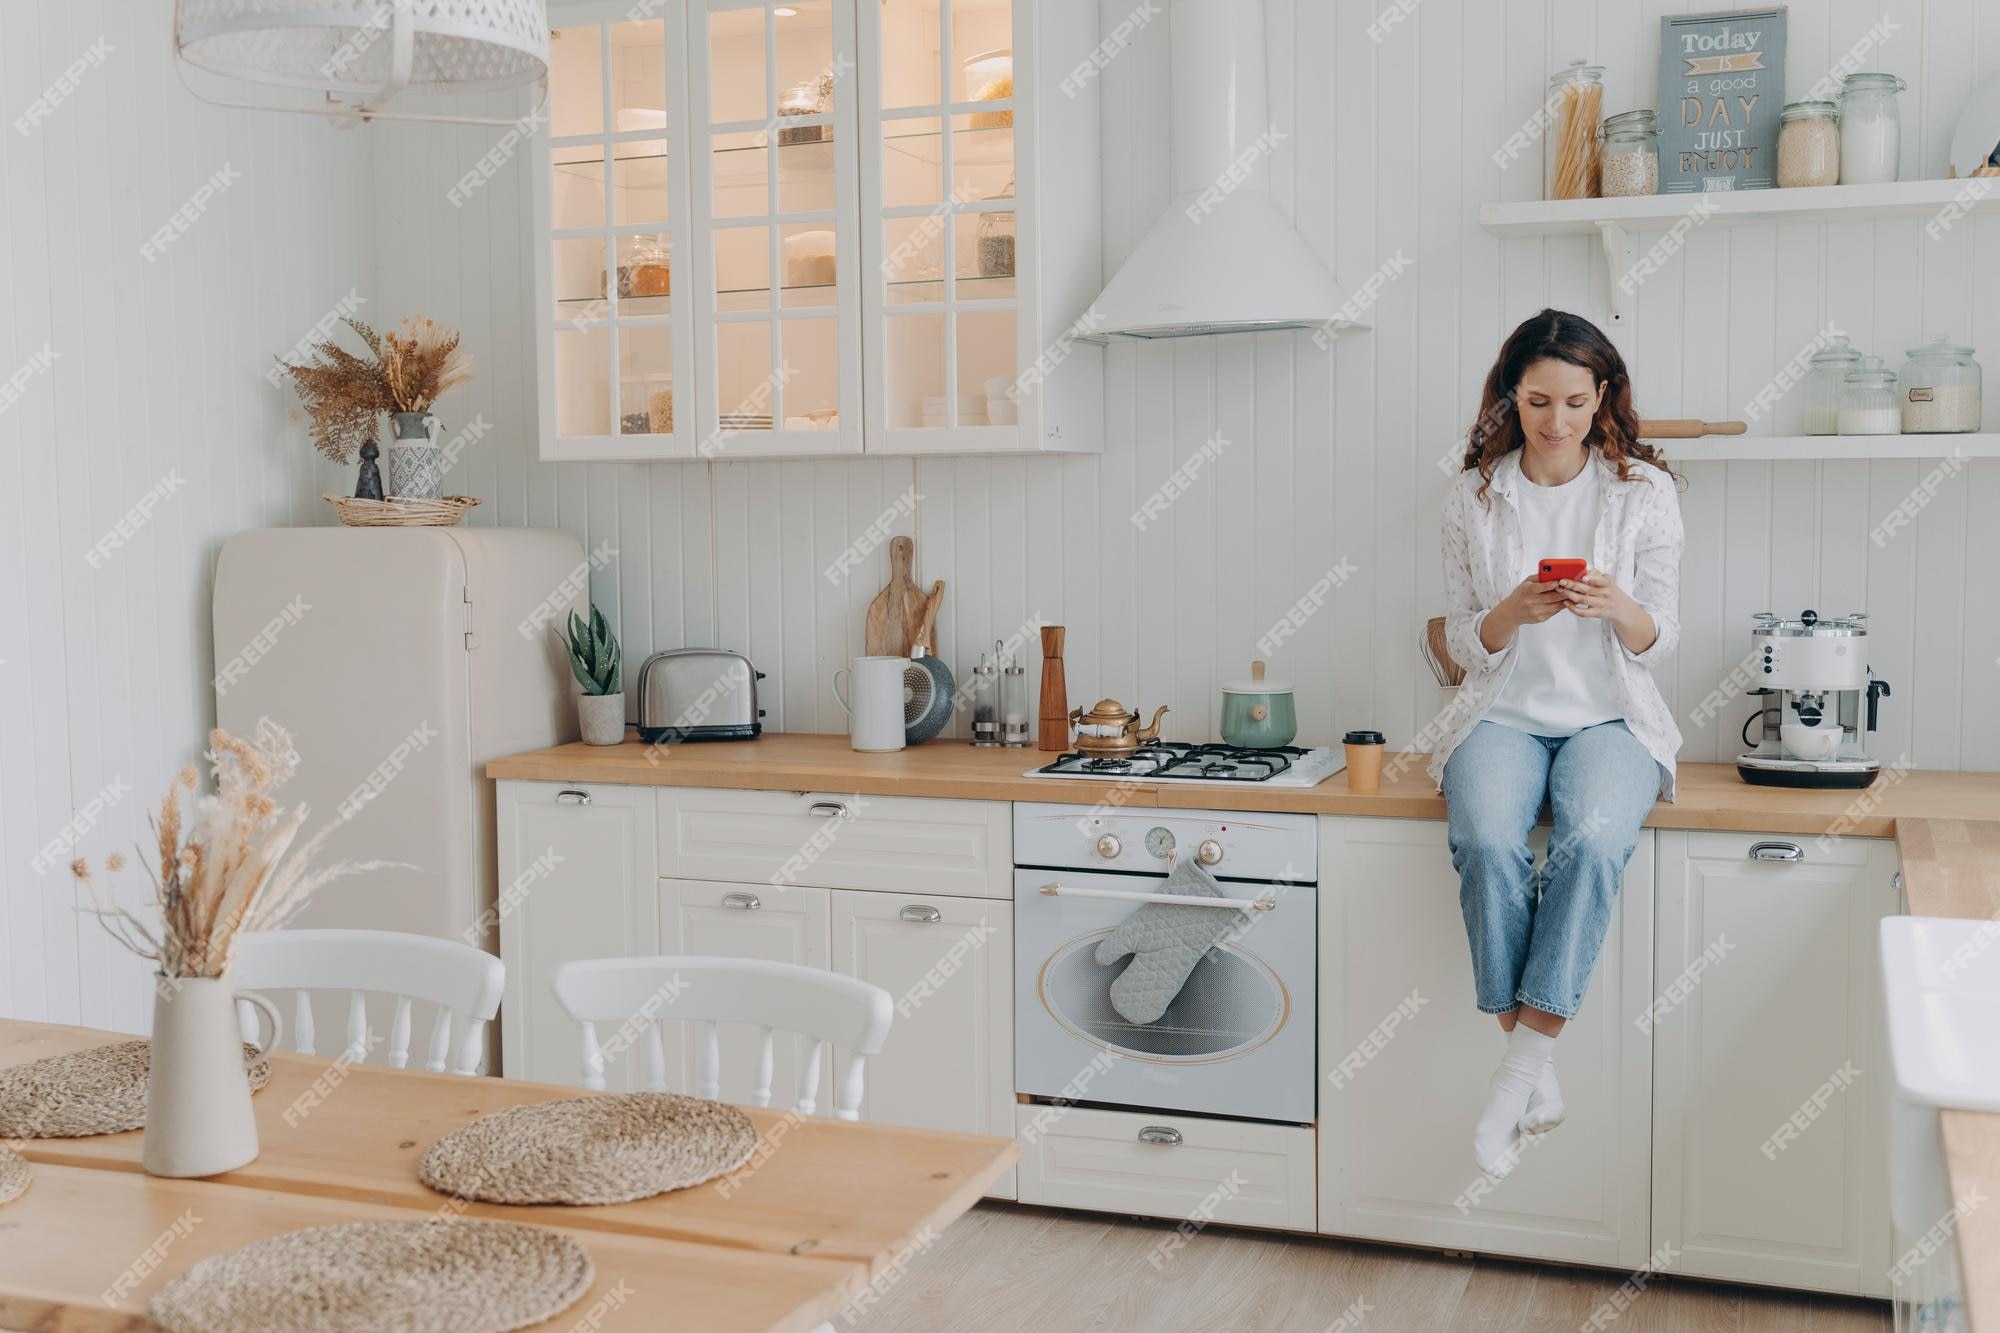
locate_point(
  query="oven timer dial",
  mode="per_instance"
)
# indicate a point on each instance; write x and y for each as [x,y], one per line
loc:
[1160,842]
[1210,851]
[1108,846]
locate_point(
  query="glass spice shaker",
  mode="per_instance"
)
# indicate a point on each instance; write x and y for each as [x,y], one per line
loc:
[1576,97]
[1014,721]
[1825,375]
[1868,400]
[1631,154]
[985,695]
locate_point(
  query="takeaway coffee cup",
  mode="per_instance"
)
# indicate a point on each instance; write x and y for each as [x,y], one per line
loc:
[875,713]
[1364,759]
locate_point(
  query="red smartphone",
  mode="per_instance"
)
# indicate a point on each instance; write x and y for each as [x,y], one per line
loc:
[1549,571]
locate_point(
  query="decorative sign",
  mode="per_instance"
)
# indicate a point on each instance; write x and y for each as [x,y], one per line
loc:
[1722,85]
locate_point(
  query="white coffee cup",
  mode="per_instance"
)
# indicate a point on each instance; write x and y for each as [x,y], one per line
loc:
[1804,742]
[875,714]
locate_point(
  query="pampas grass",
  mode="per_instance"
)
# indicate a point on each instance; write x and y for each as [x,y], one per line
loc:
[345,395]
[229,868]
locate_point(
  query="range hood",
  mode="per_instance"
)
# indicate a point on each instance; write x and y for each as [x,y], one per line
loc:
[1223,258]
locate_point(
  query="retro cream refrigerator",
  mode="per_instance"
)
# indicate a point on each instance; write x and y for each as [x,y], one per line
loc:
[401,660]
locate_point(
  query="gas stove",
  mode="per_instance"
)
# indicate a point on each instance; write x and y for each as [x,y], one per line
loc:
[1211,765]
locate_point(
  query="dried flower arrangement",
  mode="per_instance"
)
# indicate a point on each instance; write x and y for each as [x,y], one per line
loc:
[228,872]
[344,394]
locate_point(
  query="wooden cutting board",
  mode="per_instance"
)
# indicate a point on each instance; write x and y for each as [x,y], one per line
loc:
[896,615]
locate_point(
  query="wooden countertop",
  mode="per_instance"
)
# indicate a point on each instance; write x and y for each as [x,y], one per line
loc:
[1711,796]
[1951,867]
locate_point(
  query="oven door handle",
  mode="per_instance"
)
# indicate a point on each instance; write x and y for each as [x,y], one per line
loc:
[1263,904]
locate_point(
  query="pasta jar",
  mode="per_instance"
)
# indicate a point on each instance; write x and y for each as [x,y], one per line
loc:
[1868,400]
[1808,144]
[1826,375]
[1940,389]
[1576,98]
[1871,129]
[1631,154]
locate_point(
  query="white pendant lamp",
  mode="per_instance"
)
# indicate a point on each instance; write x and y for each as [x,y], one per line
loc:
[361,53]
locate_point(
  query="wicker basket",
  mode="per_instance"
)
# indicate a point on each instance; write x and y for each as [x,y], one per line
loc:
[443,512]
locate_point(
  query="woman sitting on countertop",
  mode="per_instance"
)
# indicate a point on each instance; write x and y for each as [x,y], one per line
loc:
[1558,700]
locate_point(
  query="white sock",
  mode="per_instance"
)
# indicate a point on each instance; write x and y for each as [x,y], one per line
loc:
[1494,1136]
[1545,1104]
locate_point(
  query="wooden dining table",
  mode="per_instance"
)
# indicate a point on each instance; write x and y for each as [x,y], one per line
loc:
[825,1217]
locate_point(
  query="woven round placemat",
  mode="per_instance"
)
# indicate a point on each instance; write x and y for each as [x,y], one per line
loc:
[14,1176]
[590,1150]
[98,1091]
[432,1276]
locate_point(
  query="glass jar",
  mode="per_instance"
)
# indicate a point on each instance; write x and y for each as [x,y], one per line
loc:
[1631,154]
[1871,129]
[1826,375]
[1808,144]
[1868,400]
[996,245]
[1940,389]
[1571,149]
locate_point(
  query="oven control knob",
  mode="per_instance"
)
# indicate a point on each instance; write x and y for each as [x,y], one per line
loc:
[1210,851]
[1108,846]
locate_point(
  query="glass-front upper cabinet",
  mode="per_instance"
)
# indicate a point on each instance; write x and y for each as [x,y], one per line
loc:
[980,181]
[777,303]
[611,211]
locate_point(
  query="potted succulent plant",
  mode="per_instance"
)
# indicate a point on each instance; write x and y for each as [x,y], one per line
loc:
[594,658]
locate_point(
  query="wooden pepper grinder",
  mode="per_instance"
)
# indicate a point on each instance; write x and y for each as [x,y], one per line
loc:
[1055,692]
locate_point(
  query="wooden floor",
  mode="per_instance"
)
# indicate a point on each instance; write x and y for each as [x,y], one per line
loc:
[1008,1268]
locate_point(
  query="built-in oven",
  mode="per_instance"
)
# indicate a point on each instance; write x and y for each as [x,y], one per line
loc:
[1236,1036]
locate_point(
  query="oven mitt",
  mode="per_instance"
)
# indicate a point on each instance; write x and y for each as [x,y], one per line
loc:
[1165,944]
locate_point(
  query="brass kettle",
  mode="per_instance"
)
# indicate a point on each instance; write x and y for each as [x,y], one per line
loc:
[1112,729]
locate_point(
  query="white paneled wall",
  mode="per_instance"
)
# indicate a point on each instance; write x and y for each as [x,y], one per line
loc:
[155,386]
[1333,454]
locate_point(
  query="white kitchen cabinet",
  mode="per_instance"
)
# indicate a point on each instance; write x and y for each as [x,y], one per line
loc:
[776,924]
[825,216]
[576,880]
[611,207]
[839,840]
[1395,1126]
[1777,1015]
[949,965]
[980,220]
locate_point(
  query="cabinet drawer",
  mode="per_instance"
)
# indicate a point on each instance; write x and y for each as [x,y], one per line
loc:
[838,840]
[1220,1170]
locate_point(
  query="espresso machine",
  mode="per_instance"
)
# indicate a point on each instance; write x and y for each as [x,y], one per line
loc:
[1818,703]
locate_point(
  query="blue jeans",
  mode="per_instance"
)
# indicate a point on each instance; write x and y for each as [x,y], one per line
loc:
[1535,934]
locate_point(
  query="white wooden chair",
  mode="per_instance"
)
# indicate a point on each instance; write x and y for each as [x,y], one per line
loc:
[463,982]
[632,996]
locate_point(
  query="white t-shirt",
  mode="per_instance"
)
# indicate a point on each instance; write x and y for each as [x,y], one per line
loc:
[1561,682]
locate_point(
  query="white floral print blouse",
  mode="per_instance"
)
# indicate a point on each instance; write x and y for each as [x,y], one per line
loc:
[1639,541]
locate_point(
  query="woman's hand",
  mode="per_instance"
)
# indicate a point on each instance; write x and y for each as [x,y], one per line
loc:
[1530,603]
[1597,596]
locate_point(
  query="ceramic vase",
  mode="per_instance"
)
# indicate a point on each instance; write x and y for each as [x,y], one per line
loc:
[198,1116]
[602,717]
[416,463]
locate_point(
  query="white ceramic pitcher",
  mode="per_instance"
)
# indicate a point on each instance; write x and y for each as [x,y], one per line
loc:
[198,1116]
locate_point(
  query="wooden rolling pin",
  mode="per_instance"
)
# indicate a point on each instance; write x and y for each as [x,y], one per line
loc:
[1689,430]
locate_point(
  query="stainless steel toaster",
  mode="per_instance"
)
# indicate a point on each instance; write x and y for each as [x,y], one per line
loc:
[699,694]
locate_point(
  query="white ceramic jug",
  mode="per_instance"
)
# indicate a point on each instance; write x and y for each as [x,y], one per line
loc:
[198,1116]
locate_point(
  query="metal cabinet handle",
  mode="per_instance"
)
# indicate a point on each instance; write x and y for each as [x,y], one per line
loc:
[827,809]
[572,797]
[1776,851]
[1160,1134]
[1896,881]
[747,902]
[922,912]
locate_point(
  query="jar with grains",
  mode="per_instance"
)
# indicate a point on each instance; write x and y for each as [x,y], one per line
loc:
[1871,129]
[1940,388]
[1808,145]
[1576,99]
[1868,400]
[1826,375]
[1631,154]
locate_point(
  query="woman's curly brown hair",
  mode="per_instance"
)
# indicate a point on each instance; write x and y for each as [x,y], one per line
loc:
[1561,336]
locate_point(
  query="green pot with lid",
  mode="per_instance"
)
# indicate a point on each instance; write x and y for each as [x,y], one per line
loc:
[1257,714]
